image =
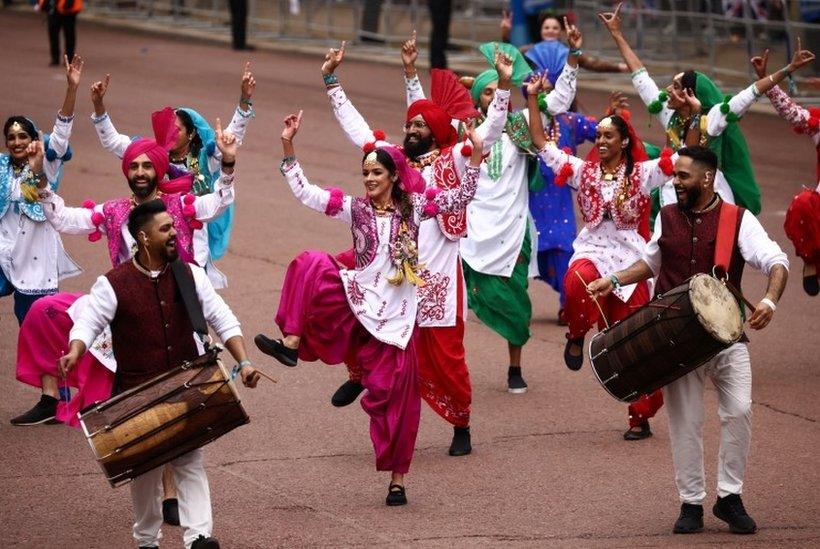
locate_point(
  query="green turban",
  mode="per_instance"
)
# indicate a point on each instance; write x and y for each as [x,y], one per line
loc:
[520,67]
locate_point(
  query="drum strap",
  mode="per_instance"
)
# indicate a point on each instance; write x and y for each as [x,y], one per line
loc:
[725,241]
[187,288]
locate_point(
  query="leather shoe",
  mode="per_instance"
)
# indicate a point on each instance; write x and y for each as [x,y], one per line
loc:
[690,519]
[346,393]
[460,446]
[276,348]
[730,510]
[574,362]
[205,543]
[640,432]
[811,285]
[396,495]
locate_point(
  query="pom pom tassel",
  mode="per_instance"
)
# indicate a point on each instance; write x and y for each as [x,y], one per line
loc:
[665,162]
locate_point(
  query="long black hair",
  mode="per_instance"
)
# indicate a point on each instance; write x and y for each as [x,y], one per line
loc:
[28,126]
[400,198]
[188,123]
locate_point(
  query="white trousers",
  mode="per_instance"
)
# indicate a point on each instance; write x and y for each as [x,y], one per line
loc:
[731,374]
[193,495]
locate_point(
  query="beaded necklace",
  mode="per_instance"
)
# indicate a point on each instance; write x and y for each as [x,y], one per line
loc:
[424,162]
[622,182]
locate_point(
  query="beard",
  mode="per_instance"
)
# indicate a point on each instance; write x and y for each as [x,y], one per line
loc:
[692,198]
[142,192]
[170,254]
[417,148]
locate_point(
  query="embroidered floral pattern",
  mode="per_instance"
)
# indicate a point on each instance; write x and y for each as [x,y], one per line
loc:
[443,404]
[627,206]
[354,293]
[432,296]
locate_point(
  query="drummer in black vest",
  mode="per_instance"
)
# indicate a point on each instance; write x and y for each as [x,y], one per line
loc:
[684,244]
[152,334]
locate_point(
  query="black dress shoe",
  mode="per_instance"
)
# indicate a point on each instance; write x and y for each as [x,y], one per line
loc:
[638,433]
[395,496]
[347,393]
[43,412]
[574,362]
[730,510]
[205,543]
[690,519]
[461,442]
[170,511]
[811,285]
[277,349]
[515,381]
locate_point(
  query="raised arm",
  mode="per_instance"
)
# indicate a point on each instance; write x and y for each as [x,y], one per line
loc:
[61,134]
[213,204]
[244,111]
[68,220]
[409,55]
[111,140]
[612,21]
[790,111]
[333,202]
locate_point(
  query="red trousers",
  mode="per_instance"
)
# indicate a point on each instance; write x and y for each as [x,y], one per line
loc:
[583,314]
[443,372]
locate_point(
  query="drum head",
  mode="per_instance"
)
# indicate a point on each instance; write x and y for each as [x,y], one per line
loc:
[716,307]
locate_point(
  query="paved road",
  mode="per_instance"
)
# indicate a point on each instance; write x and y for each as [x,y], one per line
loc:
[549,468]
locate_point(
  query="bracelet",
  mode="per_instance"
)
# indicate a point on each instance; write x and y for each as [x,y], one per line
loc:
[615,282]
[228,164]
[330,79]
[243,101]
[245,362]
[576,53]
[770,303]
[695,122]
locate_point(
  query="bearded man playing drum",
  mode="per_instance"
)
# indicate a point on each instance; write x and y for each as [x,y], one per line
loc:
[152,334]
[682,246]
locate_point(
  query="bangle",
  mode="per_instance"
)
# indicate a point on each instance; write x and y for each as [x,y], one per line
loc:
[244,101]
[228,164]
[615,282]
[330,79]
[576,52]
[770,303]
[695,122]
[244,362]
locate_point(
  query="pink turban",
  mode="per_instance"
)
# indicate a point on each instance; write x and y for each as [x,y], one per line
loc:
[165,133]
[410,179]
[156,154]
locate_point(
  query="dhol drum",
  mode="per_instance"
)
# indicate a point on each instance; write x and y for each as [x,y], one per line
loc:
[669,337]
[164,418]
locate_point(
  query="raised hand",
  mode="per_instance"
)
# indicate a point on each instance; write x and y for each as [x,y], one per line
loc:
[292,123]
[98,90]
[612,19]
[226,143]
[538,82]
[36,154]
[410,53]
[801,57]
[73,70]
[248,82]
[760,63]
[504,68]
[617,102]
[574,37]
[692,101]
[333,59]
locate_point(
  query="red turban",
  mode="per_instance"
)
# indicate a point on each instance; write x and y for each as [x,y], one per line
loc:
[157,154]
[449,100]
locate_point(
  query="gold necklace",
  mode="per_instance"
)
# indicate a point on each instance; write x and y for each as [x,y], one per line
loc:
[426,161]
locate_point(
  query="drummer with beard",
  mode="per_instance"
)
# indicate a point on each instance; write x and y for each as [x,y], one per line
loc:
[141,296]
[682,246]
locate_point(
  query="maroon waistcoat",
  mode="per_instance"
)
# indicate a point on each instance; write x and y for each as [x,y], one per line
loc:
[151,331]
[687,247]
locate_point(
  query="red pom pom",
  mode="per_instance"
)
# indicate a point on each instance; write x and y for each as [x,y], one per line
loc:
[379,135]
[189,211]
[369,147]
[567,150]
[431,192]
[467,150]
[564,174]
[95,236]
[188,199]
[195,224]
[626,115]
[665,163]
[667,152]
[814,124]
[97,218]
[89,204]
[814,112]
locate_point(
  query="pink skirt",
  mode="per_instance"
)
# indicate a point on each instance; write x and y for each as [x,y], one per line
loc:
[43,340]
[314,307]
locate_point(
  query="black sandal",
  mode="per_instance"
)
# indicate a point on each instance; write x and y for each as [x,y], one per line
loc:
[396,495]
[574,362]
[277,349]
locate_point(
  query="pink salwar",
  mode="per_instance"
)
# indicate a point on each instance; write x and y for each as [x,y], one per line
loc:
[43,340]
[314,307]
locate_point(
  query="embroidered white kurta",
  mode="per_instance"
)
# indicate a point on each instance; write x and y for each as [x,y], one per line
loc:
[716,123]
[70,220]
[609,248]
[32,255]
[437,253]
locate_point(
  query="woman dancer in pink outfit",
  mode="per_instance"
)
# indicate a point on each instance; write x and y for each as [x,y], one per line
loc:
[367,315]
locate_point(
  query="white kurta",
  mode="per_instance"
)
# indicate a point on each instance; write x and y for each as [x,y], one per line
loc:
[438,253]
[31,252]
[116,143]
[716,123]
[70,220]
[609,248]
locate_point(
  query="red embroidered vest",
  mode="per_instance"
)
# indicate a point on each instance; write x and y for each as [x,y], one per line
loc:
[626,215]
[453,225]
[151,331]
[687,247]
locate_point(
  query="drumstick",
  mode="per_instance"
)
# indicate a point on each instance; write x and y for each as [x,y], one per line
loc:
[595,299]
[263,374]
